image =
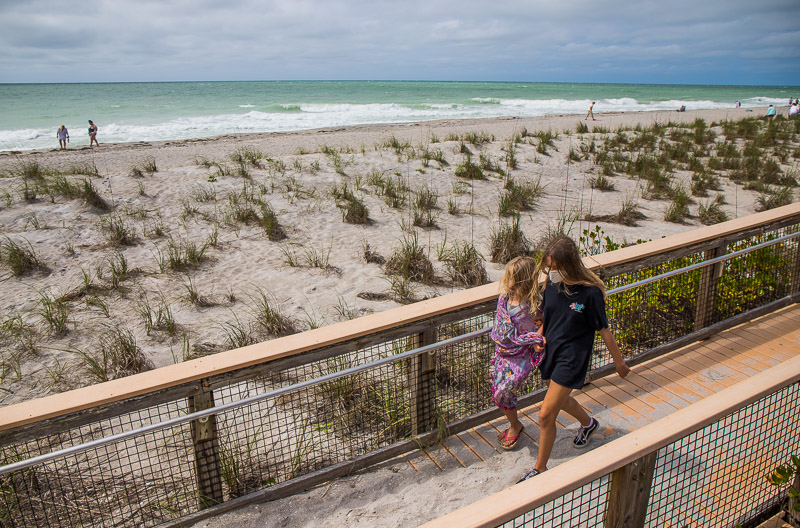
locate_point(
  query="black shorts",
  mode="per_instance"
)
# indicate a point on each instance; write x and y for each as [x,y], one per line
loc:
[566,366]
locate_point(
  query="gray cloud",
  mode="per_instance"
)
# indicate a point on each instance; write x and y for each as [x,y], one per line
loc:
[736,41]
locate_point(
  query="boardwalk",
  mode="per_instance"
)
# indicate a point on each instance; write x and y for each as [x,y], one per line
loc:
[430,482]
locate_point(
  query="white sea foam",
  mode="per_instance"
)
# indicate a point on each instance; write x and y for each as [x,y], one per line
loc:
[301,116]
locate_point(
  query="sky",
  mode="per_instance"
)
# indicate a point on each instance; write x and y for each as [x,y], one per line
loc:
[677,41]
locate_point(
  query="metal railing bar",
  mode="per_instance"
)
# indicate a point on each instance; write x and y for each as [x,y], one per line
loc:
[199,415]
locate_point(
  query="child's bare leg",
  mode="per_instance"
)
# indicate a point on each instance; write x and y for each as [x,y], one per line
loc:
[574,409]
[554,400]
[514,425]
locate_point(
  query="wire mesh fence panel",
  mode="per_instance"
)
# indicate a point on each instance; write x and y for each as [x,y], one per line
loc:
[717,476]
[143,481]
[583,506]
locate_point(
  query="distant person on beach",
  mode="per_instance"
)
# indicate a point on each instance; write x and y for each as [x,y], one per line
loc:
[518,348]
[738,104]
[63,137]
[794,110]
[93,133]
[590,113]
[682,108]
[770,112]
[573,310]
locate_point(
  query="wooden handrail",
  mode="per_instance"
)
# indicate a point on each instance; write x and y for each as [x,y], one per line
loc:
[517,500]
[170,376]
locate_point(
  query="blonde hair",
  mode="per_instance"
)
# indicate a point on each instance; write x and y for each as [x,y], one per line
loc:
[519,279]
[563,254]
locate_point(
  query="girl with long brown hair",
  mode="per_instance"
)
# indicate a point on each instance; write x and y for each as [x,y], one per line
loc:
[572,306]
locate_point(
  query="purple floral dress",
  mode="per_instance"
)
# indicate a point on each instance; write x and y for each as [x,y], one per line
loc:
[514,354]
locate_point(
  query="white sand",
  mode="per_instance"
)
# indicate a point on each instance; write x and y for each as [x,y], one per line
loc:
[245,261]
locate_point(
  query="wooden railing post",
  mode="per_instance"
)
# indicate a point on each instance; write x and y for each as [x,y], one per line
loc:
[423,372]
[630,493]
[206,448]
[707,289]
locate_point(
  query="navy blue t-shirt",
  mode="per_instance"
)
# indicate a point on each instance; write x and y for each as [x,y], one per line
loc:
[569,325]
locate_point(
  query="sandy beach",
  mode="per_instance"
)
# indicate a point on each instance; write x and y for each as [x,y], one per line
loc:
[104,269]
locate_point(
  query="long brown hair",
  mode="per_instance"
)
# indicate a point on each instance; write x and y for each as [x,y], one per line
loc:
[518,278]
[563,255]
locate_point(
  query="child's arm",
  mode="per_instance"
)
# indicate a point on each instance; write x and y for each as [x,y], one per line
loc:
[613,349]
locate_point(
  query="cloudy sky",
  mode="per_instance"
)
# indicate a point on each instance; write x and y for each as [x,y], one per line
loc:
[678,41]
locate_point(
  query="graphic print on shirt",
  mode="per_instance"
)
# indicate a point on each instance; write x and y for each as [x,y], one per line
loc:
[577,307]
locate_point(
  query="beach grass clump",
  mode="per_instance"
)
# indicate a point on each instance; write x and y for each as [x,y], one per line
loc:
[118,356]
[710,212]
[247,155]
[370,256]
[118,268]
[424,207]
[488,164]
[409,261]
[238,333]
[465,265]
[774,197]
[601,182]
[518,197]
[157,316]
[702,182]
[429,154]
[19,259]
[629,214]
[678,209]
[354,211]
[180,255]
[478,138]
[268,220]
[582,128]
[268,315]
[508,241]
[55,312]
[91,197]
[469,170]
[118,232]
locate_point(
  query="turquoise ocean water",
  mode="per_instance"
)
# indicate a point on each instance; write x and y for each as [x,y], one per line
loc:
[161,111]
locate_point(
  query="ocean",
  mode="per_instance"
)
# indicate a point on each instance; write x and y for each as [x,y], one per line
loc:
[128,112]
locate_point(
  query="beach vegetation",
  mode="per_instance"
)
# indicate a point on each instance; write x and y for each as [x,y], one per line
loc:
[370,256]
[508,241]
[268,220]
[157,316]
[247,155]
[117,356]
[238,333]
[678,208]
[464,264]
[118,268]
[582,128]
[19,259]
[710,212]
[774,197]
[118,232]
[410,261]
[54,310]
[463,149]
[601,182]
[600,130]
[202,161]
[629,214]
[469,170]
[84,169]
[520,196]
[181,254]
[354,211]
[91,197]
[453,207]
[402,289]
[268,315]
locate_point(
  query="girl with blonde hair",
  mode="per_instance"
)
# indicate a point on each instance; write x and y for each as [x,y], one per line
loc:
[572,309]
[518,347]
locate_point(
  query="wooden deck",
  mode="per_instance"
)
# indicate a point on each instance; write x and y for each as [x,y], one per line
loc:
[472,465]
[651,391]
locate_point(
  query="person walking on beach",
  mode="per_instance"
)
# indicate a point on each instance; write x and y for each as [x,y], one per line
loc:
[518,347]
[93,133]
[63,137]
[770,113]
[573,309]
[590,113]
